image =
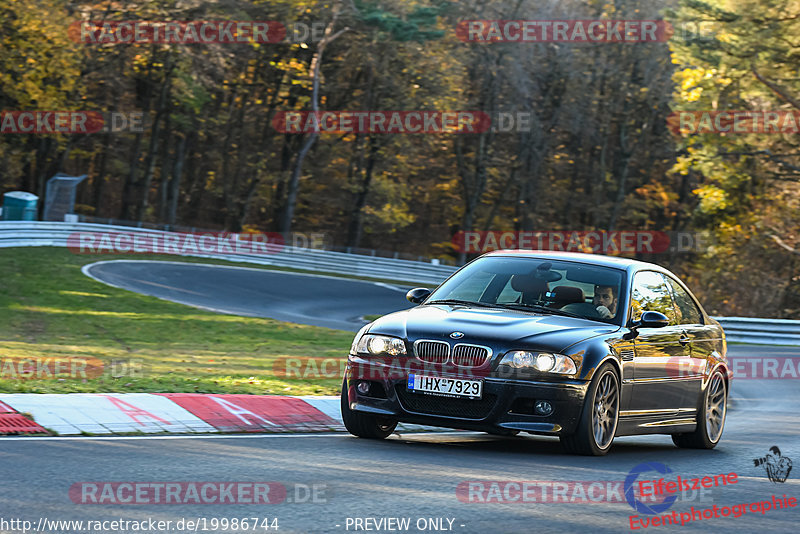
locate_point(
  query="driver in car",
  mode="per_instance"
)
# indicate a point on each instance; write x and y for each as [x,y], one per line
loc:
[605,300]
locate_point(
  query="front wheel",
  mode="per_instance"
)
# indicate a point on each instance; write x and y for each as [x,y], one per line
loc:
[364,425]
[598,422]
[710,417]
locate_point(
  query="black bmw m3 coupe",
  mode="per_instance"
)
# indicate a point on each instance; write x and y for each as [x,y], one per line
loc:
[579,346]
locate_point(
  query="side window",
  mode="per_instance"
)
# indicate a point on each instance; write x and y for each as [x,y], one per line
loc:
[688,313]
[650,293]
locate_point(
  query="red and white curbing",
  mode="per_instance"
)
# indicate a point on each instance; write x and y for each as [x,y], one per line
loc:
[172,413]
[13,422]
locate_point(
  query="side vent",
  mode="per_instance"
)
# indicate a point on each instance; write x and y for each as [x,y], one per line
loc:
[627,355]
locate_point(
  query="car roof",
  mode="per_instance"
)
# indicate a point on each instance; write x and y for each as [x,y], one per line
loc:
[616,262]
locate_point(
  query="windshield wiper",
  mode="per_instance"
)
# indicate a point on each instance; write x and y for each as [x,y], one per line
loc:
[462,303]
[540,308]
[509,306]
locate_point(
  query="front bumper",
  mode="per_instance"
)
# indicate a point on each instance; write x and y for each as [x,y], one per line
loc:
[506,404]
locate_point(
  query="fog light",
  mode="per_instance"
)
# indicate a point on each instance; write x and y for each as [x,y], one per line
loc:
[543,408]
[363,387]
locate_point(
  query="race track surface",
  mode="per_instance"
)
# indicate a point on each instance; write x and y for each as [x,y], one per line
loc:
[410,476]
[299,298]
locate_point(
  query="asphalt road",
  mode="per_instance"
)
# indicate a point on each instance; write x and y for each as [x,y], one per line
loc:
[299,298]
[413,476]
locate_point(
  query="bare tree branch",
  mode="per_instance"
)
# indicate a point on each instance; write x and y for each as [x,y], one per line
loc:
[778,90]
[780,242]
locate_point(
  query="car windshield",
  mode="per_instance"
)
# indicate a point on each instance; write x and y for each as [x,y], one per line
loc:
[539,284]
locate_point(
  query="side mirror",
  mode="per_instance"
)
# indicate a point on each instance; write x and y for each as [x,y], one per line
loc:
[652,319]
[418,294]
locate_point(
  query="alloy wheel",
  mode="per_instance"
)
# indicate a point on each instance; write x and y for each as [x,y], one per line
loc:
[716,407]
[605,411]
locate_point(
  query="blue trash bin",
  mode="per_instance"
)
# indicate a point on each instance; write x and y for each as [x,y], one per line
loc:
[20,206]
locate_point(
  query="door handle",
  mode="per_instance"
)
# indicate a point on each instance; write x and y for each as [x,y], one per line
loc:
[684,339]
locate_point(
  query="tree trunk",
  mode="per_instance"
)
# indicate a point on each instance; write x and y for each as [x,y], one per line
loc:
[174,186]
[99,181]
[473,183]
[129,189]
[355,228]
[29,168]
[155,138]
[41,166]
[163,175]
[128,207]
[625,156]
[287,216]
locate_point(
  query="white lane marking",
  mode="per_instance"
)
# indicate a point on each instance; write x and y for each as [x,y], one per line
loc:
[389,286]
[171,288]
[85,270]
[225,436]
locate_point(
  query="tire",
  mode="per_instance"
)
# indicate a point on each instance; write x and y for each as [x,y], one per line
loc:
[364,425]
[710,417]
[604,415]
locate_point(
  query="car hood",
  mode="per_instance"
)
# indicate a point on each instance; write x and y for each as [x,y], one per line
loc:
[495,327]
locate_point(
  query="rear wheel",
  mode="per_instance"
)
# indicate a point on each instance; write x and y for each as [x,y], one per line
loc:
[710,417]
[598,422]
[364,425]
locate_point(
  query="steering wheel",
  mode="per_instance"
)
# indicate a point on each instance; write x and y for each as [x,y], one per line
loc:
[587,309]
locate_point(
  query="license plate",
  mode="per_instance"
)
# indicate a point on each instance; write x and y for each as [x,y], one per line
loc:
[447,387]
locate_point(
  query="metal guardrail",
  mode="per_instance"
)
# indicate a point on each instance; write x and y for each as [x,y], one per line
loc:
[107,221]
[55,234]
[761,331]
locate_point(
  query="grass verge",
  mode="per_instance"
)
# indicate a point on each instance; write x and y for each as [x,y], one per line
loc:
[49,309]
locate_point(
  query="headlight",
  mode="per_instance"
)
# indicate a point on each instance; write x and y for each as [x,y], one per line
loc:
[541,361]
[372,344]
[354,344]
